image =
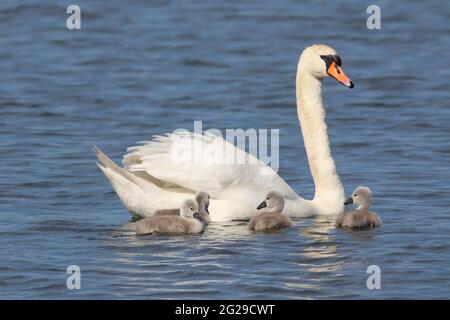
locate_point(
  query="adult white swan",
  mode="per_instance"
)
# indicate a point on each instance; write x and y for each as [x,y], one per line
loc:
[154,178]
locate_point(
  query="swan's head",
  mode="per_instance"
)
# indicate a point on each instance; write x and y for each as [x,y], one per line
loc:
[362,196]
[189,209]
[323,61]
[274,202]
[202,199]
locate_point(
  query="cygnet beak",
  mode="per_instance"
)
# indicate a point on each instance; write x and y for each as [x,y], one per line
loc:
[348,201]
[262,205]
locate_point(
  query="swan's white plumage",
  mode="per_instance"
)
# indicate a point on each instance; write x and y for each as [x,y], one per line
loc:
[141,197]
[152,180]
[235,188]
[160,174]
[160,160]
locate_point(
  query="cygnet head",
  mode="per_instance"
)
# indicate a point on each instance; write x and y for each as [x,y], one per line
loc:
[362,196]
[202,199]
[322,61]
[274,202]
[189,209]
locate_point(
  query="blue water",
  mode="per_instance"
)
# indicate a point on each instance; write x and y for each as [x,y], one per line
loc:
[139,68]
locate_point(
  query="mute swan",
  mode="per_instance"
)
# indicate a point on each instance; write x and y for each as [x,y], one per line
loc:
[360,217]
[202,199]
[273,217]
[153,178]
[188,221]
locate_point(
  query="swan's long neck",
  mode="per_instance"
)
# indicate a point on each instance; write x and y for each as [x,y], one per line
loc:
[329,192]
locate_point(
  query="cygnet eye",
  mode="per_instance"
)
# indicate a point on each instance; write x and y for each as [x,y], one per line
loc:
[268,198]
[192,209]
[355,195]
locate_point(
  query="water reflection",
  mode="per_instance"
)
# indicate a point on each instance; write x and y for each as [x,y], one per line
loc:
[318,255]
[362,234]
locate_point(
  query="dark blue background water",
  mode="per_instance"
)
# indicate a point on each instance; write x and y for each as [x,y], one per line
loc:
[139,68]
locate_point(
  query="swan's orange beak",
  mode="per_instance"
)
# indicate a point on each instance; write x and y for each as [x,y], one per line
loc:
[336,72]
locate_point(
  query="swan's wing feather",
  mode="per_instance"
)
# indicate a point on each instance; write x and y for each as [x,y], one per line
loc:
[202,162]
[141,197]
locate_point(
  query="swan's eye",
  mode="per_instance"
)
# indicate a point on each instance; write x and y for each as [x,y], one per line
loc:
[192,209]
[267,198]
[355,195]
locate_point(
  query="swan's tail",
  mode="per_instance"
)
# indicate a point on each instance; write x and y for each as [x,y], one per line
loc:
[134,192]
